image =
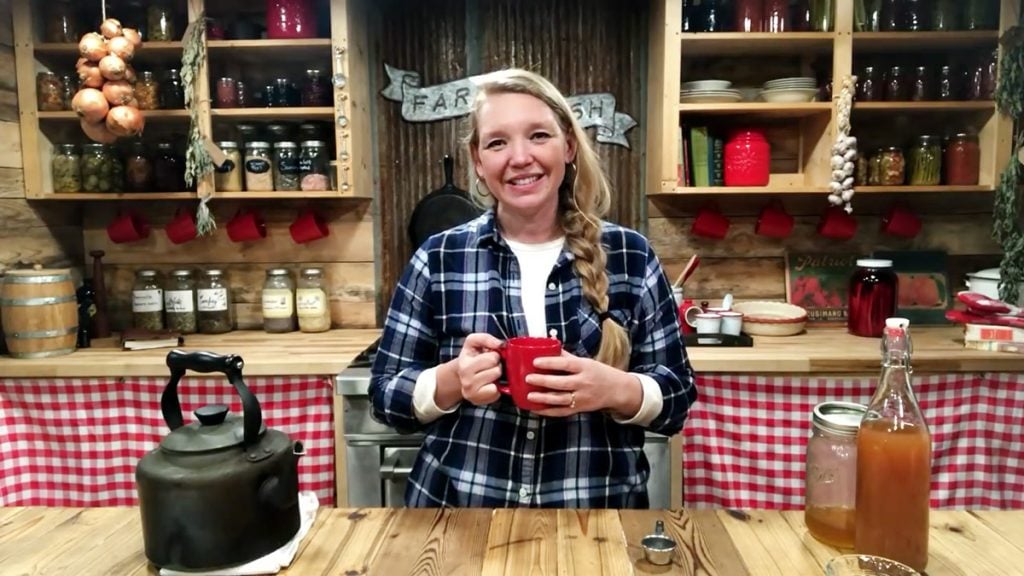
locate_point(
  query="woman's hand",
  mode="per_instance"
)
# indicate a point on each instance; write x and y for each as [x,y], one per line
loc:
[584,385]
[471,375]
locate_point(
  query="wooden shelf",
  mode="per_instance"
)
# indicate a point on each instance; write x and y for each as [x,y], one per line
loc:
[149,115]
[64,49]
[101,196]
[912,107]
[923,41]
[920,189]
[732,190]
[277,50]
[796,109]
[298,113]
[753,43]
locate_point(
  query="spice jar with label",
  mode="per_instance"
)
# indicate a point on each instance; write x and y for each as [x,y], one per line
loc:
[278,301]
[313,165]
[962,160]
[258,164]
[311,302]
[228,176]
[926,161]
[49,92]
[213,303]
[147,301]
[286,166]
[831,476]
[67,169]
[96,168]
[147,91]
[180,302]
[892,169]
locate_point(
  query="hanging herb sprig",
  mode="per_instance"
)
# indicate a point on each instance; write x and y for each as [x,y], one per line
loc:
[1006,223]
[198,162]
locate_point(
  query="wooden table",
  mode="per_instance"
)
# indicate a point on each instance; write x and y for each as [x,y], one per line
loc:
[452,542]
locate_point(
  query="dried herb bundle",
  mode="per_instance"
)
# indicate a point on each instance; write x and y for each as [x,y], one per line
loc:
[198,162]
[1006,223]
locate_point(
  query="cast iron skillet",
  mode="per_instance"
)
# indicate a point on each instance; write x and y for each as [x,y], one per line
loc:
[444,208]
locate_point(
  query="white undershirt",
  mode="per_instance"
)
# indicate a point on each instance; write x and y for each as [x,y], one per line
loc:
[535,264]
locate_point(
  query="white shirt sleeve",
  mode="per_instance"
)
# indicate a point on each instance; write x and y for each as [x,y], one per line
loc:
[651,405]
[423,405]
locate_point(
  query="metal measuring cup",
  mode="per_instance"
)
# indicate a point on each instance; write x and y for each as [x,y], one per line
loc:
[658,547]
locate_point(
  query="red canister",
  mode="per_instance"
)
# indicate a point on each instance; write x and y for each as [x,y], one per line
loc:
[288,19]
[874,289]
[747,159]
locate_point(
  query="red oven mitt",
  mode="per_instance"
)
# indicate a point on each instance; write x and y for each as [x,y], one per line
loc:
[981,304]
[969,317]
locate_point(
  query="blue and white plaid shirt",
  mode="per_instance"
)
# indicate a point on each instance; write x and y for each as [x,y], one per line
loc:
[467,280]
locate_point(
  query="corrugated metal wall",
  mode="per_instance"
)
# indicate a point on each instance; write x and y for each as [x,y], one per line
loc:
[583,46]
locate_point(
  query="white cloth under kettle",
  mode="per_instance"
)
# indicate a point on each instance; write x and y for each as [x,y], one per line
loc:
[275,561]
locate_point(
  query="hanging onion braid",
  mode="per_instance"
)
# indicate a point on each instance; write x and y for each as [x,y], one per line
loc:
[584,197]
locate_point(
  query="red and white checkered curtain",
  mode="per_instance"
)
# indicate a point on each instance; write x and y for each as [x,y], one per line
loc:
[76,442]
[745,439]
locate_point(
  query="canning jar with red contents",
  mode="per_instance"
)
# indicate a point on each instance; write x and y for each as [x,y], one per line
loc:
[288,19]
[962,160]
[747,159]
[873,294]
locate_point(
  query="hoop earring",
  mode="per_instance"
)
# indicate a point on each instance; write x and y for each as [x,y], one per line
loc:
[476,186]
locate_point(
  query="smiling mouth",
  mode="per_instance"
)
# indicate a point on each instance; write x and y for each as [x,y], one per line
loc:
[524,181]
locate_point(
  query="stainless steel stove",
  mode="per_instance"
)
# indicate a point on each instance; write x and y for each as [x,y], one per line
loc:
[378,459]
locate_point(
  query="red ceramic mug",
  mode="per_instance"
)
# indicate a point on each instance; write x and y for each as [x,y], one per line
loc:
[518,355]
[902,222]
[128,227]
[837,224]
[307,227]
[246,226]
[774,221]
[688,311]
[182,228]
[710,223]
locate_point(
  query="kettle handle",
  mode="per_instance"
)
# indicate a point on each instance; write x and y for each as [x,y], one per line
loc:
[205,362]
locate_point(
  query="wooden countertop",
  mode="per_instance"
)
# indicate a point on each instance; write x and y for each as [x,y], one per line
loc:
[105,541]
[818,351]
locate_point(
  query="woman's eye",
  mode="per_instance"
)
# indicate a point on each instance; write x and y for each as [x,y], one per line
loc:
[540,136]
[494,144]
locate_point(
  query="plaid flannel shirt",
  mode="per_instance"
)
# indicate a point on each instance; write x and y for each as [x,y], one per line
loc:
[467,280]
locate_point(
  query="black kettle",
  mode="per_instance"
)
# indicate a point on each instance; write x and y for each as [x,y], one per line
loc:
[218,492]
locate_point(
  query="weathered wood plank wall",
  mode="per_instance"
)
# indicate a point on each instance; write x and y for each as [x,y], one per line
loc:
[30,233]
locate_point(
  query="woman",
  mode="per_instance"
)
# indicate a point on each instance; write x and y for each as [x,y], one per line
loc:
[539,263]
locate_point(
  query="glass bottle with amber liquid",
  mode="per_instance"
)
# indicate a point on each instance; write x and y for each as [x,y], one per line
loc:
[894,456]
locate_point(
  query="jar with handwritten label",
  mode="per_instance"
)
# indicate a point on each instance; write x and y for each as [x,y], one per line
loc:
[313,165]
[311,302]
[180,302]
[286,166]
[213,303]
[228,176]
[278,301]
[259,176]
[147,301]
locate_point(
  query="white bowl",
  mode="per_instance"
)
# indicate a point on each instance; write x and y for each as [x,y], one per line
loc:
[789,95]
[761,318]
[706,85]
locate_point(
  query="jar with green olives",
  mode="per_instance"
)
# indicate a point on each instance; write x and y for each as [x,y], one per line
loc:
[147,301]
[67,169]
[116,169]
[926,161]
[213,310]
[97,170]
[180,302]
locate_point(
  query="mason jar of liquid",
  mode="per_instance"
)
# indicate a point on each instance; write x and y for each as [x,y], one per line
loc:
[874,289]
[831,479]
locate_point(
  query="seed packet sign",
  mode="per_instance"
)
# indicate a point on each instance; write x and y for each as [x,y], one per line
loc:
[924,291]
[820,283]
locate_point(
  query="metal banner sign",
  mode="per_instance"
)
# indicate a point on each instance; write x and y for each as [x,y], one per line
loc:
[453,99]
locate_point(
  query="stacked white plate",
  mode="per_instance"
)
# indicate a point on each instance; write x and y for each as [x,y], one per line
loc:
[796,89]
[708,92]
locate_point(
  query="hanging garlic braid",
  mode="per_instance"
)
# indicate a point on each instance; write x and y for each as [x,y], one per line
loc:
[584,197]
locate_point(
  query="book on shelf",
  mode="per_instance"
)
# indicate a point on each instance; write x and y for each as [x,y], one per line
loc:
[700,154]
[140,339]
[993,333]
[995,346]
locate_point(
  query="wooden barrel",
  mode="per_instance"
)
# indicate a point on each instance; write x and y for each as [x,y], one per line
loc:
[39,313]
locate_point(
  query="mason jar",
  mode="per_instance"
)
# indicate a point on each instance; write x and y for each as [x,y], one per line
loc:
[96,168]
[147,301]
[831,479]
[66,169]
[313,165]
[259,175]
[926,161]
[228,176]
[278,300]
[286,166]
[312,305]
[213,303]
[180,302]
[147,91]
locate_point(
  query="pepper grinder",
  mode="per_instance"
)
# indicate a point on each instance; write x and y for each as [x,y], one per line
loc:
[101,324]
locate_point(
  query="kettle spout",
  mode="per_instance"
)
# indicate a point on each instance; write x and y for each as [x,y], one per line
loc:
[298,449]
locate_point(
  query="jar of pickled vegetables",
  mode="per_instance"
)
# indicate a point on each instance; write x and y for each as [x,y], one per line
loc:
[116,169]
[68,88]
[147,91]
[875,169]
[962,160]
[96,169]
[49,92]
[892,168]
[66,166]
[926,161]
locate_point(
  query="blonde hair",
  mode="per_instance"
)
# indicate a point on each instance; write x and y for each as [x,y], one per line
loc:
[584,197]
